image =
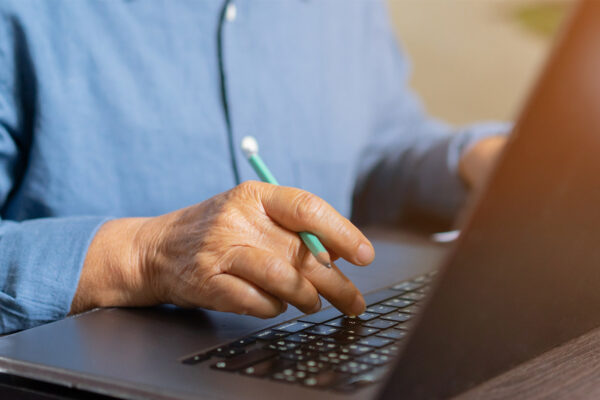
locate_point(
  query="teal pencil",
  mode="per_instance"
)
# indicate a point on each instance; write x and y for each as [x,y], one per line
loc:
[250,149]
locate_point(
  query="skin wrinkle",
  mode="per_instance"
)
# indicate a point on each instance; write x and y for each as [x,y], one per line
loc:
[304,207]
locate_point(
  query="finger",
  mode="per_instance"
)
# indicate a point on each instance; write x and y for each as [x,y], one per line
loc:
[334,286]
[333,255]
[230,293]
[298,210]
[276,276]
[284,243]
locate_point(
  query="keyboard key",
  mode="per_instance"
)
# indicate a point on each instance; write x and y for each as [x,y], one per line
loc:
[379,296]
[393,334]
[298,374]
[413,296]
[374,359]
[374,341]
[405,326]
[282,378]
[299,355]
[325,379]
[390,350]
[226,351]
[333,357]
[301,337]
[355,349]
[344,322]
[380,323]
[322,316]
[293,327]
[269,334]
[321,346]
[362,331]
[343,337]
[267,367]
[397,316]
[380,309]
[243,342]
[198,358]
[356,382]
[407,286]
[289,375]
[353,367]
[365,316]
[281,345]
[322,330]
[398,302]
[313,366]
[244,360]
[411,309]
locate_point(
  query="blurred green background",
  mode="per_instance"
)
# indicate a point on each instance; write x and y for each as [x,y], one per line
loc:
[543,18]
[476,59]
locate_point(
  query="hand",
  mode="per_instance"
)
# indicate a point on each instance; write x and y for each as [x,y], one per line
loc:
[477,162]
[237,252]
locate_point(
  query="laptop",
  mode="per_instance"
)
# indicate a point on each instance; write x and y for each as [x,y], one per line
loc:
[522,278]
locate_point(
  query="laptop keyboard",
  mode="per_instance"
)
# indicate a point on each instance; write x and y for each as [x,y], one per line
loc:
[327,350]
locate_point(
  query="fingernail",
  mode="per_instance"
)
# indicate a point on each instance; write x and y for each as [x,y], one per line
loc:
[358,307]
[365,253]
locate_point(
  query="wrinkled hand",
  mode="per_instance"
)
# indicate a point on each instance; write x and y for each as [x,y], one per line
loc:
[239,252]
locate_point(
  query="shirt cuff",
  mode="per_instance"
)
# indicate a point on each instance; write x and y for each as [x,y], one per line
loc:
[41,263]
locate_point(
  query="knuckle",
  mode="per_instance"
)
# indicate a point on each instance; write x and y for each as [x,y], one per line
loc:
[307,206]
[295,250]
[246,188]
[345,230]
[275,270]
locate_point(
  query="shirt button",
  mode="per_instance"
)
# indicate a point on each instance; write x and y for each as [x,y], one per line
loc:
[231,12]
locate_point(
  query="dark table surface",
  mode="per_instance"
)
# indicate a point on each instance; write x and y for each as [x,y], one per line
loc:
[570,371]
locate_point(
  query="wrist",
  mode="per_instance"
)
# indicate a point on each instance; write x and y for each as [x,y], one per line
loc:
[112,275]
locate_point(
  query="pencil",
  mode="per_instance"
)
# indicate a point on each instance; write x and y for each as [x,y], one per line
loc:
[250,149]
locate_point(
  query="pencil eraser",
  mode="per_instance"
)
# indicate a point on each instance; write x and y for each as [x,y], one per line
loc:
[249,146]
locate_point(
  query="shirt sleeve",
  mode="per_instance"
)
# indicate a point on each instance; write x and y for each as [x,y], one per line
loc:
[40,260]
[408,170]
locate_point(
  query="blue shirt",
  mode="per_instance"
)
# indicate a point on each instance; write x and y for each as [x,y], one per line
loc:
[136,108]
